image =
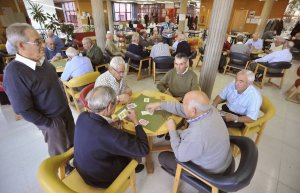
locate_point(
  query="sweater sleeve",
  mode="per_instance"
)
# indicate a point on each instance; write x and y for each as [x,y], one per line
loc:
[174,108]
[132,146]
[162,85]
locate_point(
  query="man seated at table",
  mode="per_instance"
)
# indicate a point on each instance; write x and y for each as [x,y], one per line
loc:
[102,151]
[155,38]
[115,78]
[268,34]
[183,46]
[93,52]
[57,41]
[160,49]
[239,47]
[111,47]
[277,45]
[296,41]
[143,39]
[134,47]
[283,55]
[52,53]
[180,80]
[76,66]
[205,141]
[243,100]
[255,42]
[175,44]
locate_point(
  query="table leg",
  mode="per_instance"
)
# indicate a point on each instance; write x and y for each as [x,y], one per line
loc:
[149,162]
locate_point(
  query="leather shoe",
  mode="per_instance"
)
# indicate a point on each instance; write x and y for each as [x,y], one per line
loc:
[139,168]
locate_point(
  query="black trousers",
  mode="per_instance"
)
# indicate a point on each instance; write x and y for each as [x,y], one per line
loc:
[231,123]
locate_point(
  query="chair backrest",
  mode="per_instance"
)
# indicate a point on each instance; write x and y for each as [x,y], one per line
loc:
[133,56]
[164,62]
[298,71]
[238,58]
[193,55]
[84,92]
[82,80]
[267,108]
[279,65]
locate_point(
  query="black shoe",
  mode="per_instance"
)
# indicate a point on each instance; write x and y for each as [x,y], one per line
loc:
[68,169]
[160,136]
[139,168]
[167,137]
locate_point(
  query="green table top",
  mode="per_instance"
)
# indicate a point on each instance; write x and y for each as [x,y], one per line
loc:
[59,63]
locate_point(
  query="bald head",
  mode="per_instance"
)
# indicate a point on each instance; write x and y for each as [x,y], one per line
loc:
[109,36]
[50,43]
[50,34]
[255,36]
[195,103]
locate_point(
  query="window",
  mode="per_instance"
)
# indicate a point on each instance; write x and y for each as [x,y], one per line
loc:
[122,11]
[70,12]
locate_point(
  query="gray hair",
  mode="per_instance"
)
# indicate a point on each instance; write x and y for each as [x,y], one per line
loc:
[198,106]
[15,33]
[71,52]
[135,37]
[240,38]
[100,97]
[250,75]
[116,61]
[87,40]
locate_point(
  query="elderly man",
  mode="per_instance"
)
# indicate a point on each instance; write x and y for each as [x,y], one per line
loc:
[239,47]
[111,47]
[115,78]
[102,151]
[34,91]
[76,66]
[206,140]
[160,49]
[255,42]
[155,38]
[93,52]
[180,80]
[57,41]
[243,100]
[278,43]
[52,53]
[143,39]
[175,44]
[134,47]
[183,46]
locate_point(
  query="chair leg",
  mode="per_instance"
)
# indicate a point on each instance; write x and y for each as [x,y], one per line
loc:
[177,178]
[76,104]
[132,183]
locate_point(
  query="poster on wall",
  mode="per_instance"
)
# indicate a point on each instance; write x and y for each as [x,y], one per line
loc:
[251,14]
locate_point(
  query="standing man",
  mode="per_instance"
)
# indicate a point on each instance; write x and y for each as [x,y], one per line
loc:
[92,51]
[167,31]
[34,91]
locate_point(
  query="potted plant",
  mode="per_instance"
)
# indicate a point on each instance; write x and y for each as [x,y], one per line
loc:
[38,15]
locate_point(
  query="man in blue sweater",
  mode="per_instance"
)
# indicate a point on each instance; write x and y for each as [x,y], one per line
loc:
[34,91]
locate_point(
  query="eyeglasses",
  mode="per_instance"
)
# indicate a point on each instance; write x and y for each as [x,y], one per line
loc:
[119,72]
[36,42]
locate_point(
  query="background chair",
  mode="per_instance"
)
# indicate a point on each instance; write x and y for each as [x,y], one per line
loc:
[83,94]
[138,63]
[271,70]
[232,182]
[52,178]
[162,65]
[72,85]
[236,61]
[294,92]
[191,57]
[257,127]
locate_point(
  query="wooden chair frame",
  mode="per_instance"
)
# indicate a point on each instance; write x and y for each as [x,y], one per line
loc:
[228,67]
[139,69]
[294,94]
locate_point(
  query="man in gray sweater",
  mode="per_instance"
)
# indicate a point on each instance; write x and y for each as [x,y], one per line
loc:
[206,140]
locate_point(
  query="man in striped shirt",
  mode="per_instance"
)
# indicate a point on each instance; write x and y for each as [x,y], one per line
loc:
[160,49]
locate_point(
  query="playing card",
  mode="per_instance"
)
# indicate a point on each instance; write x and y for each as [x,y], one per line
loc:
[146,113]
[131,106]
[123,114]
[146,100]
[143,122]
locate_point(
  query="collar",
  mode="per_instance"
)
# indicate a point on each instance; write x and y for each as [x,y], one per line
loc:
[28,62]
[50,49]
[239,43]
[184,71]
[135,43]
[244,92]
[99,117]
[199,117]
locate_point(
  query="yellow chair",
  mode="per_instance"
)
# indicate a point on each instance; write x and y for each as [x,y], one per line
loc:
[100,66]
[257,127]
[71,85]
[51,176]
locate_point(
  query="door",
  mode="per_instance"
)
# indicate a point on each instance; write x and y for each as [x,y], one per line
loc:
[239,20]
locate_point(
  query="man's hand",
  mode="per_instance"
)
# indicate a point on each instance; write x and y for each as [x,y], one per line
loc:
[151,107]
[117,123]
[229,117]
[124,98]
[132,116]
[171,125]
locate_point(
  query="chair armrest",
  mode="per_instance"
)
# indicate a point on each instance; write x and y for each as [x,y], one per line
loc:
[100,65]
[123,176]
[144,59]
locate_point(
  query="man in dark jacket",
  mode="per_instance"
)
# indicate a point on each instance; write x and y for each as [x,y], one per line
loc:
[102,151]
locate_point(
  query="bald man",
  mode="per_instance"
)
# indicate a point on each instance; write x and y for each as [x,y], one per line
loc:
[111,47]
[52,53]
[206,140]
[255,42]
[57,41]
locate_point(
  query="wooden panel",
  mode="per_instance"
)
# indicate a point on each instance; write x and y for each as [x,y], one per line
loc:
[239,20]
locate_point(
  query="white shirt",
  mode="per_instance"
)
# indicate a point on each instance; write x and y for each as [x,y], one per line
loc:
[28,62]
[160,49]
[258,44]
[278,56]
[107,79]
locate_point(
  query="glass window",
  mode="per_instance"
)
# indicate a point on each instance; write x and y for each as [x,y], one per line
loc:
[69,12]
[122,11]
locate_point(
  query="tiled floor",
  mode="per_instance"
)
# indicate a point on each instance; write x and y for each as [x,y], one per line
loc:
[278,171]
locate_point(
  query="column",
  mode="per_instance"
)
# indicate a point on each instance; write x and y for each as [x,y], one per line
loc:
[109,16]
[221,12]
[182,15]
[264,16]
[98,17]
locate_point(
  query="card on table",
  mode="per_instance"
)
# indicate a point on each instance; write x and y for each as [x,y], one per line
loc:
[123,114]
[143,122]
[146,100]
[131,106]
[146,113]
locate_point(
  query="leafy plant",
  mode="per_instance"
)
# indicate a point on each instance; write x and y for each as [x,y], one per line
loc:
[37,14]
[54,23]
[68,29]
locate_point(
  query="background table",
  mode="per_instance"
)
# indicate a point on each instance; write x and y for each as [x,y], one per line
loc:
[59,65]
[129,127]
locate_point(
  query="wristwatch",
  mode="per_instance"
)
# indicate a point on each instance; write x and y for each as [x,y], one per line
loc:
[236,119]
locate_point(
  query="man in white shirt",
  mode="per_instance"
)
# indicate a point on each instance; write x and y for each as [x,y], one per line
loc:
[255,42]
[160,49]
[115,78]
[277,45]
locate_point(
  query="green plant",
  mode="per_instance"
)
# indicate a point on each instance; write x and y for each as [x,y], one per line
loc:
[68,29]
[37,14]
[54,23]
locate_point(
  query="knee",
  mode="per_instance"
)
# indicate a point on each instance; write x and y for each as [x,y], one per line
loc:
[163,157]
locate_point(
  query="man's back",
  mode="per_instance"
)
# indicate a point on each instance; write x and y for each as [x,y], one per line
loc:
[95,54]
[160,49]
[240,48]
[78,66]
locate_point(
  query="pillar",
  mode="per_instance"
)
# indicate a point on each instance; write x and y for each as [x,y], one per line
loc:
[264,16]
[182,15]
[110,16]
[99,24]
[221,12]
